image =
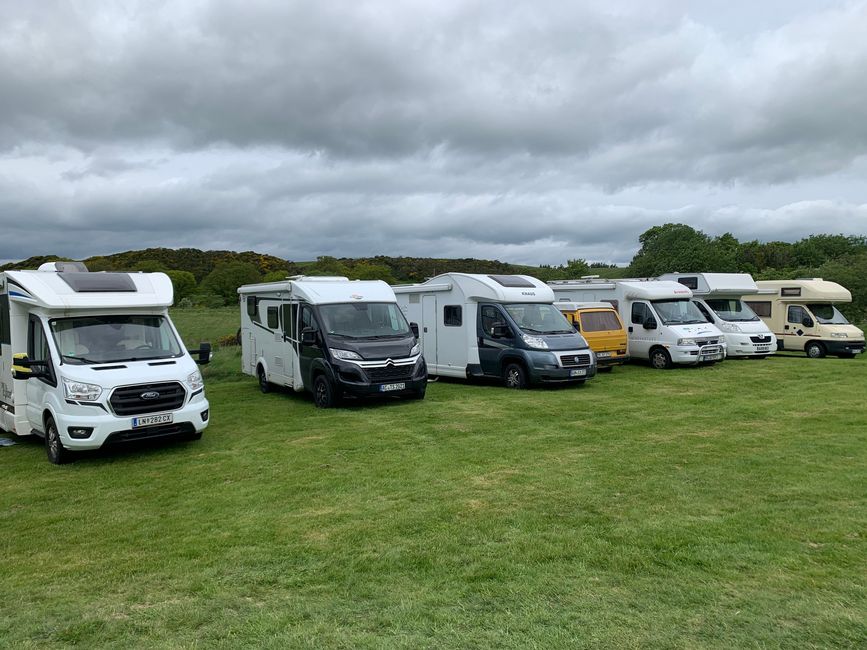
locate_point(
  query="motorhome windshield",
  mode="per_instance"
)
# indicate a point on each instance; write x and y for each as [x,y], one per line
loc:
[364,320]
[732,310]
[827,314]
[539,318]
[678,312]
[109,339]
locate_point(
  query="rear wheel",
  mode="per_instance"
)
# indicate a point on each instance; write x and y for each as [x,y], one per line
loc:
[605,368]
[660,359]
[815,350]
[54,449]
[264,386]
[324,395]
[514,376]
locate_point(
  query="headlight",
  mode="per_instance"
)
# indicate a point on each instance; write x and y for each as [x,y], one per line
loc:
[839,335]
[415,350]
[686,341]
[194,380]
[344,354]
[729,327]
[81,391]
[535,342]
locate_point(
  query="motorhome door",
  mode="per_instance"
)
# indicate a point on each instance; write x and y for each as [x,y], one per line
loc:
[38,350]
[429,329]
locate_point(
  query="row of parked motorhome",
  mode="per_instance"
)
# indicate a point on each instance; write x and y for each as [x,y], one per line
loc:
[90,359]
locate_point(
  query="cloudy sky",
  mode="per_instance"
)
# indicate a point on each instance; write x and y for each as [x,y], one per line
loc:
[529,132]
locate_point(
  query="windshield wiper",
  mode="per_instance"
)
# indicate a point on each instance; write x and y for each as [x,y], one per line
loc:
[534,331]
[82,359]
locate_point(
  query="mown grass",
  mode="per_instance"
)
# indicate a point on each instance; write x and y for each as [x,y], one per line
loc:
[714,507]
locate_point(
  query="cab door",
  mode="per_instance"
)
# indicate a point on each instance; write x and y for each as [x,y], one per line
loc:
[640,338]
[799,328]
[307,354]
[38,387]
[490,345]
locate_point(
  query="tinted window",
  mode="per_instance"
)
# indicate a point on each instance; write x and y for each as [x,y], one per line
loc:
[5,333]
[452,316]
[690,282]
[599,321]
[704,311]
[490,315]
[290,314]
[639,312]
[796,314]
[252,310]
[307,318]
[761,308]
[273,318]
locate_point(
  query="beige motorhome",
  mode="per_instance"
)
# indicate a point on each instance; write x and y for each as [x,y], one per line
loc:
[803,316]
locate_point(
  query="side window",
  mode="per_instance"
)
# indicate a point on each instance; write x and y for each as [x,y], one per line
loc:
[796,314]
[704,311]
[290,314]
[307,318]
[490,315]
[452,316]
[253,309]
[762,308]
[5,332]
[639,313]
[273,318]
[37,345]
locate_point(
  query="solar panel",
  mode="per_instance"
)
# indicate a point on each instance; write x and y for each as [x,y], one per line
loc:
[511,281]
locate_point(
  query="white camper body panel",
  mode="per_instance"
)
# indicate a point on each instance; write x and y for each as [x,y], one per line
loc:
[32,299]
[743,337]
[685,344]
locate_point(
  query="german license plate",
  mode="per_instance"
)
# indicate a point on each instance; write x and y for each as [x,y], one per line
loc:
[387,387]
[150,420]
[603,355]
[578,372]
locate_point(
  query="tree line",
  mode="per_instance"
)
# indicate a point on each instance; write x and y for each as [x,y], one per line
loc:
[211,278]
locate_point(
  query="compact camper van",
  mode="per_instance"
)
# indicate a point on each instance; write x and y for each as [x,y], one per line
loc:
[91,359]
[331,336]
[600,324]
[802,315]
[663,325]
[718,297]
[502,326]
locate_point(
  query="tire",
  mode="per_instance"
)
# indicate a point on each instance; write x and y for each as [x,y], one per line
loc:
[419,394]
[814,350]
[195,436]
[324,395]
[54,449]
[264,386]
[660,359]
[514,376]
[605,368]
[847,355]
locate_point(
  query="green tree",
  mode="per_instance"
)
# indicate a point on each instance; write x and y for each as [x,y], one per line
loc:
[225,279]
[150,266]
[327,265]
[184,283]
[275,276]
[369,271]
[672,247]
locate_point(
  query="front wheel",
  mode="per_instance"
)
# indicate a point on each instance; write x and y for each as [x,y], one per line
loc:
[514,376]
[660,359]
[815,350]
[324,395]
[54,449]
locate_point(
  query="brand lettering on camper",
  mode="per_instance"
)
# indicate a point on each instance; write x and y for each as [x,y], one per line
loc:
[356,296]
[151,394]
[528,293]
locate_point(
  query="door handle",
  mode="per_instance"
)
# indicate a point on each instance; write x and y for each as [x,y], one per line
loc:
[425,330]
[630,329]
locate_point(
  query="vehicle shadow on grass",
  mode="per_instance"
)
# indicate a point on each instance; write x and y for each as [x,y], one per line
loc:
[118,451]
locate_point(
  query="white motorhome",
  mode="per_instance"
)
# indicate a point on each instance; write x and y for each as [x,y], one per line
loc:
[504,326]
[92,359]
[718,297]
[803,316]
[331,336]
[663,324]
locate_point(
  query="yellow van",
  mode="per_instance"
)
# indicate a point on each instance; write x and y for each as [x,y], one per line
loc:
[600,324]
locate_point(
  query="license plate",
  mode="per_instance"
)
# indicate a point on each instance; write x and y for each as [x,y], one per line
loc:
[578,372]
[603,355]
[713,357]
[858,351]
[387,387]
[150,420]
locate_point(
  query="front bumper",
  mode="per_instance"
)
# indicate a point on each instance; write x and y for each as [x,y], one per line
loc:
[359,381]
[109,428]
[747,345]
[548,367]
[613,360]
[692,355]
[842,346]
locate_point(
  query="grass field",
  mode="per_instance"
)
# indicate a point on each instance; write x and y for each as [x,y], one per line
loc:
[715,507]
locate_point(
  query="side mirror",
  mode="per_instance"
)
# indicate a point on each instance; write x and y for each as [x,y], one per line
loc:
[204,353]
[576,325]
[650,323]
[308,336]
[414,328]
[806,321]
[23,367]
[499,330]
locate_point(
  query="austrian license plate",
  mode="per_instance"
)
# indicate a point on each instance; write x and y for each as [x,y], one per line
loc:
[150,420]
[603,355]
[578,372]
[387,387]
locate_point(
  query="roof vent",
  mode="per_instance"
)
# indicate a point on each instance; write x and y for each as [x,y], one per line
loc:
[84,282]
[63,267]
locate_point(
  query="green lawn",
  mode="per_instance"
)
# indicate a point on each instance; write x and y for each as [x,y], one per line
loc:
[714,507]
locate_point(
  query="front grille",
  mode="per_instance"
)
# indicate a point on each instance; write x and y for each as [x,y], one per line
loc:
[761,339]
[571,360]
[149,433]
[129,401]
[710,349]
[389,373]
[701,342]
